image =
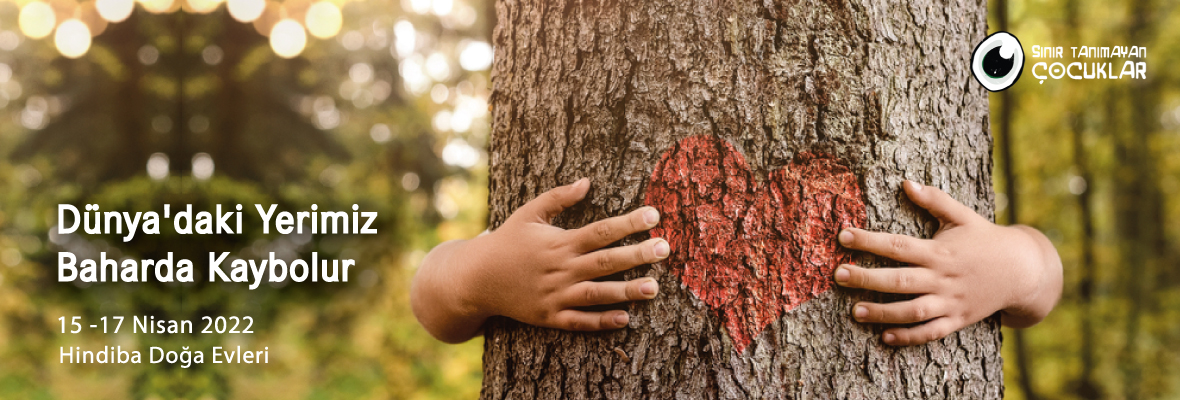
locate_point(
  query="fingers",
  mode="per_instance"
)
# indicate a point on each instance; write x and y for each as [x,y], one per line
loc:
[608,261]
[589,293]
[602,233]
[939,204]
[546,206]
[897,247]
[888,280]
[928,332]
[903,312]
[575,320]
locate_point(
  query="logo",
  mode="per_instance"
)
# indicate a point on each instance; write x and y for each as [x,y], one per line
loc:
[1089,62]
[998,61]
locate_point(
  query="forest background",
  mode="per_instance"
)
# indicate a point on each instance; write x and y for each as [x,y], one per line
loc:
[384,104]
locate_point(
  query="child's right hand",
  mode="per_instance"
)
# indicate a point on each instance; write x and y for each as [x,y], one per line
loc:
[536,273]
[969,270]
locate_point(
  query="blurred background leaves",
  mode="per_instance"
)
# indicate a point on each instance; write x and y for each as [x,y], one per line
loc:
[1093,164]
[383,104]
[332,103]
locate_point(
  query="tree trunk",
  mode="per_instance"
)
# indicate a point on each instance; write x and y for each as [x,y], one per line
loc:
[759,129]
[1086,386]
[1140,206]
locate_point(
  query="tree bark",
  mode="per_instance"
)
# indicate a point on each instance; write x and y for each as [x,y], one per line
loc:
[614,90]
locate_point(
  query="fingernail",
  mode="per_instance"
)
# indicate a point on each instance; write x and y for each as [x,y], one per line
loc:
[622,319]
[860,312]
[651,217]
[649,288]
[913,186]
[889,338]
[581,183]
[662,249]
[845,236]
[842,275]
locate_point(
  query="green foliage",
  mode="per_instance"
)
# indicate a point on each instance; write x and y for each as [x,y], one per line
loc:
[302,131]
[279,132]
[1108,144]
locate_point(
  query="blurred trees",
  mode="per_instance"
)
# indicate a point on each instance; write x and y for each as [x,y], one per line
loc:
[1093,162]
[1093,168]
[182,108]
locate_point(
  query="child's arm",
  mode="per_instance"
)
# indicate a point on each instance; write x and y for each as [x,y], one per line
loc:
[968,271]
[534,272]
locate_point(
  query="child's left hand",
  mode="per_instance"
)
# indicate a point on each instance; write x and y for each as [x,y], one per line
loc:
[968,271]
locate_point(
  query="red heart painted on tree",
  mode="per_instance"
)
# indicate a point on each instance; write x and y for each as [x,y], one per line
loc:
[752,250]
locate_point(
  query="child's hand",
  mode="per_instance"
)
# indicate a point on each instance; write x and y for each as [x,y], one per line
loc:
[968,271]
[536,273]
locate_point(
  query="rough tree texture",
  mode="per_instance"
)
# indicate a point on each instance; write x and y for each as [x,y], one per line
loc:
[605,90]
[752,251]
